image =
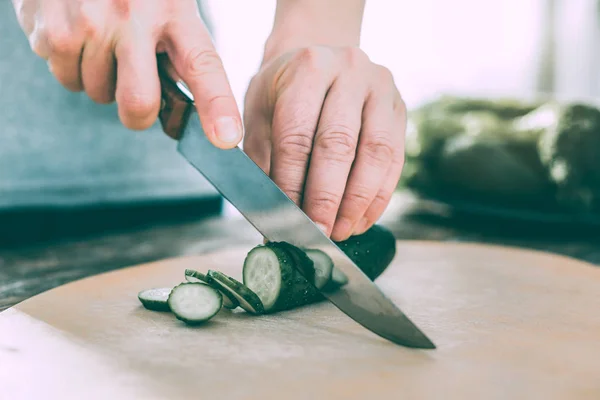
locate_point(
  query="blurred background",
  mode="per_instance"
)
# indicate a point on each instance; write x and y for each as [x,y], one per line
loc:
[68,167]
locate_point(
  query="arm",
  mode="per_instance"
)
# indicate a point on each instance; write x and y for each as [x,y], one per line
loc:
[305,23]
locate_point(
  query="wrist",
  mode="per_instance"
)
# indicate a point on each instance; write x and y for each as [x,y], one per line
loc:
[300,24]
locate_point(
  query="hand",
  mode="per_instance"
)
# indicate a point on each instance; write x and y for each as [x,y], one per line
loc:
[108,49]
[328,125]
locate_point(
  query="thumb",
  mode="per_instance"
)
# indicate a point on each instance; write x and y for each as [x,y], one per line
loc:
[196,61]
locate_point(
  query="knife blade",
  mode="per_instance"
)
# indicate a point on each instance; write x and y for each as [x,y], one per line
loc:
[268,209]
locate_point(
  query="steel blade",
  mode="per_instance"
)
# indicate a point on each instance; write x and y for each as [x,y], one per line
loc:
[277,218]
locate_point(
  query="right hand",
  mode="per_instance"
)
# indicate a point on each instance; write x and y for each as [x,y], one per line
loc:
[108,49]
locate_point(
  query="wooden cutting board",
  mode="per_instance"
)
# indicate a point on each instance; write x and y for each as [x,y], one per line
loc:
[508,323]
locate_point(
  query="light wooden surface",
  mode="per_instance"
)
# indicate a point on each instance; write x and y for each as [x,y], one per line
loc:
[508,324]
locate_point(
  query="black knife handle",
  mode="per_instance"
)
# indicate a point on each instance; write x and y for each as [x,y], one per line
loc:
[176,101]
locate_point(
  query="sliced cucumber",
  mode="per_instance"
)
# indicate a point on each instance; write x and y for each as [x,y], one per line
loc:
[229,301]
[194,303]
[323,265]
[338,277]
[248,300]
[194,276]
[262,273]
[299,258]
[155,299]
[270,272]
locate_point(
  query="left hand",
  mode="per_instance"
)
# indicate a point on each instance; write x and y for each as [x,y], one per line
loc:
[327,125]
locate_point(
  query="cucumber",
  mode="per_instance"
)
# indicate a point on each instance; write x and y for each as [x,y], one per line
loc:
[270,273]
[155,299]
[248,300]
[323,265]
[229,301]
[299,257]
[338,277]
[270,269]
[194,276]
[195,303]
[372,251]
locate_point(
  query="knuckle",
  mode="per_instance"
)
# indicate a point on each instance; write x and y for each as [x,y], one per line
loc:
[314,58]
[137,105]
[355,56]
[337,142]
[382,199]
[60,41]
[87,23]
[379,148]
[325,202]
[400,105]
[200,61]
[294,144]
[384,75]
[358,198]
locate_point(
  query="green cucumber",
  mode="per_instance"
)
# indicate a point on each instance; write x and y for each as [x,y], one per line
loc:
[323,265]
[229,301]
[155,299]
[270,273]
[248,300]
[299,257]
[338,277]
[194,276]
[195,303]
[372,251]
[271,269]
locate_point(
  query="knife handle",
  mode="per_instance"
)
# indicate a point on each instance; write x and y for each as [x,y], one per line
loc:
[176,100]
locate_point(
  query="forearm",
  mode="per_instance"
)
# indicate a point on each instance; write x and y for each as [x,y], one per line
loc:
[302,23]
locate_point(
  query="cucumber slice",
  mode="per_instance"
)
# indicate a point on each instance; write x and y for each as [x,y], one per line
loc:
[248,300]
[270,272]
[155,299]
[229,301]
[323,265]
[338,277]
[194,276]
[194,303]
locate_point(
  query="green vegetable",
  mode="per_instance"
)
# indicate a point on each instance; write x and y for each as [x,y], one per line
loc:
[323,266]
[248,300]
[269,271]
[194,303]
[194,276]
[155,299]
[372,251]
[229,301]
[570,149]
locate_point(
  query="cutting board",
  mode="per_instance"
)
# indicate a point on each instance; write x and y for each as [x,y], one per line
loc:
[508,323]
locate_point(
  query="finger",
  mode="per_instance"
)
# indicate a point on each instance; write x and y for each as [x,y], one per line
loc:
[295,120]
[61,45]
[195,59]
[98,72]
[334,150]
[257,140]
[381,201]
[257,143]
[137,87]
[374,156]
[25,12]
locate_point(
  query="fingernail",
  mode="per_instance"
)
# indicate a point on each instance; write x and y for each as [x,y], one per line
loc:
[228,130]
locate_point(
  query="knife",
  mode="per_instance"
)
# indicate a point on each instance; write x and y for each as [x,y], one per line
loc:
[242,183]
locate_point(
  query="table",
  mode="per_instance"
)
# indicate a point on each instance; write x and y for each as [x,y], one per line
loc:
[28,270]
